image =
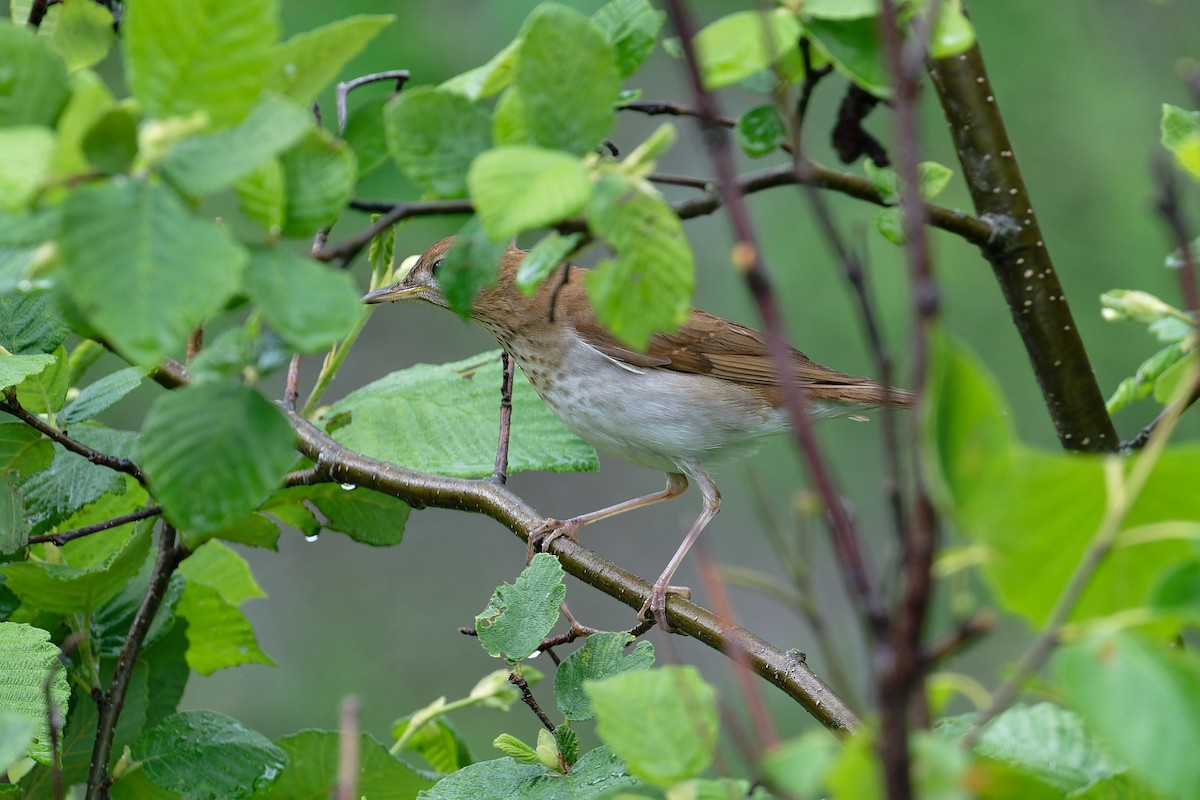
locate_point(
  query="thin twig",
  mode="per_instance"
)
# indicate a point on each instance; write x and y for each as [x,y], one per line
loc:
[518,681]
[812,76]
[500,473]
[747,259]
[37,12]
[346,250]
[968,632]
[78,533]
[12,406]
[901,673]
[110,703]
[54,714]
[195,342]
[400,76]
[1170,207]
[348,755]
[291,390]
[714,586]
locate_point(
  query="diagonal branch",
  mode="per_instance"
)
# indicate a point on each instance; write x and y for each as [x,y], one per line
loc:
[1021,261]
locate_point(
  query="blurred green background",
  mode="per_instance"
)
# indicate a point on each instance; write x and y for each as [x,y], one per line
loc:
[1080,85]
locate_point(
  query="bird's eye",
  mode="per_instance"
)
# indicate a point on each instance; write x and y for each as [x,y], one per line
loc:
[436,266]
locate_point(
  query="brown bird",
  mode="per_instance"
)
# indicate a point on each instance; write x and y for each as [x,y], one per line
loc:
[705,392]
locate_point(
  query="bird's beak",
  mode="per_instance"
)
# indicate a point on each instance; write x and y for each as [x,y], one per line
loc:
[397,291]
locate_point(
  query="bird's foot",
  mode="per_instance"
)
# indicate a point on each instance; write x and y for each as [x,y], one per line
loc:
[656,606]
[550,531]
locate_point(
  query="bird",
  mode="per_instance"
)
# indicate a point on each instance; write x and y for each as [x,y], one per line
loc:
[703,393]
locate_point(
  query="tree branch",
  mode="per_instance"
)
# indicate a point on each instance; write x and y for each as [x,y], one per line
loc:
[11,406]
[1021,261]
[170,554]
[78,533]
[488,498]
[747,258]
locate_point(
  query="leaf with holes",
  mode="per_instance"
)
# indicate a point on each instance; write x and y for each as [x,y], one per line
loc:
[520,614]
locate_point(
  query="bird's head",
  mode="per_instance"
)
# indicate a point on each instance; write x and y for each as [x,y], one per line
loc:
[418,278]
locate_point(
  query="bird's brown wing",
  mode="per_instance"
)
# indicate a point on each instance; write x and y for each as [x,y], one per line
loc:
[709,345]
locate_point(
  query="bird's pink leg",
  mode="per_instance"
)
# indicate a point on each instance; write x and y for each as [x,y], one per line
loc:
[550,530]
[657,603]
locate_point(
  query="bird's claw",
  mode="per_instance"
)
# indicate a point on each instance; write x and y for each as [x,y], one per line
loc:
[655,607]
[546,534]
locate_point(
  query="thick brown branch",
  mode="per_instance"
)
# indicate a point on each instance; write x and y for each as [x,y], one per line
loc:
[486,497]
[1021,261]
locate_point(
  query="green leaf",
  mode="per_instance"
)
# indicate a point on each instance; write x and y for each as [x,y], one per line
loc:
[101,395]
[26,164]
[310,305]
[890,223]
[544,258]
[90,98]
[438,743]
[520,614]
[631,27]
[518,188]
[79,738]
[738,45]
[66,589]
[798,766]
[213,452]
[662,722]
[221,568]
[252,349]
[261,196]
[854,48]
[219,635]
[14,369]
[952,32]
[71,482]
[16,734]
[214,56]
[306,63]
[760,131]
[1179,589]
[14,524]
[207,163]
[46,391]
[111,142]
[508,122]
[1114,680]
[366,135]
[445,419]
[126,247]
[470,265]
[933,178]
[84,34]
[364,515]
[28,661]
[1181,135]
[599,773]
[967,429]
[318,179]
[35,79]
[841,9]
[203,754]
[493,77]
[568,80]
[434,135]
[602,654]
[1042,740]
[23,450]
[517,750]
[111,622]
[648,287]
[312,770]
[29,322]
